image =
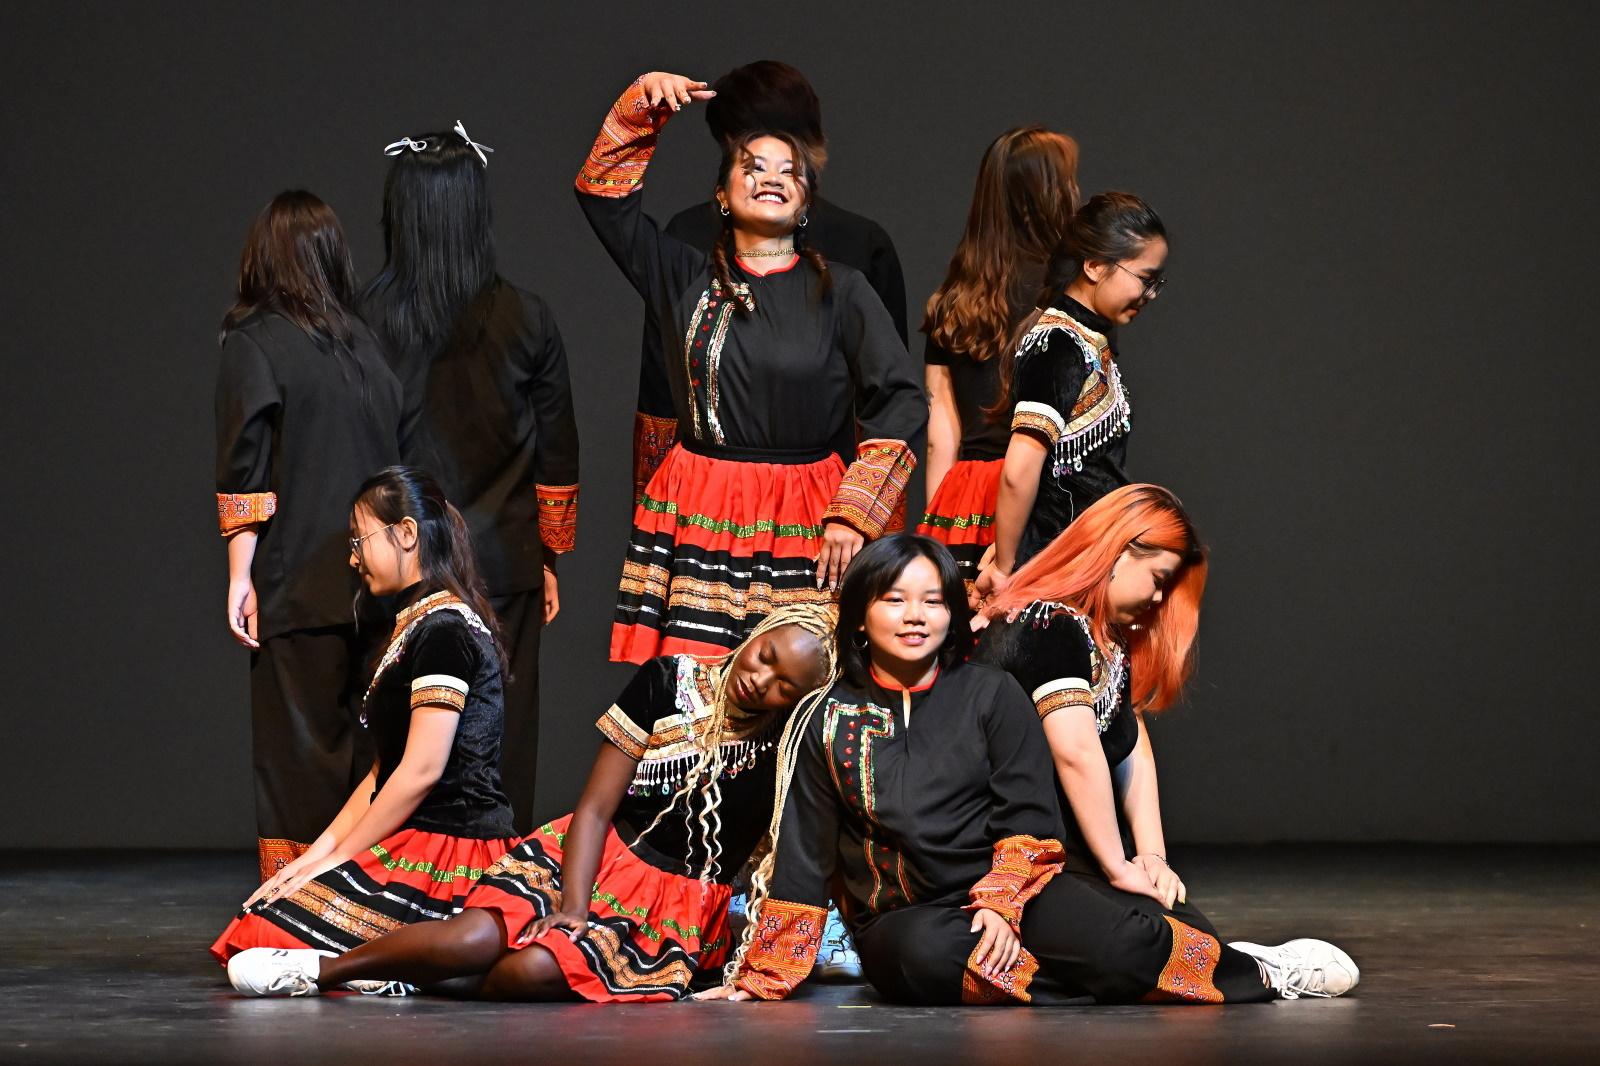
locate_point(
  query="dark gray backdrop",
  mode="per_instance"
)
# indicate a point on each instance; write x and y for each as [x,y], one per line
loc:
[1370,378]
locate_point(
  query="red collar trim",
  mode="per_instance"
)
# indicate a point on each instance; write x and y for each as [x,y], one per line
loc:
[895,686]
[769,273]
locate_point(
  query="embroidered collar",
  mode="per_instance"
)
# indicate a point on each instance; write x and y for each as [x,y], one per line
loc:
[891,685]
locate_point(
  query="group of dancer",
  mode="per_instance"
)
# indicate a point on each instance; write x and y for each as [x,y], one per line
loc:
[940,734]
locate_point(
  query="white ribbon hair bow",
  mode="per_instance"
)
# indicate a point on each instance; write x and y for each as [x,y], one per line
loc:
[476,147]
[402,144]
[422,146]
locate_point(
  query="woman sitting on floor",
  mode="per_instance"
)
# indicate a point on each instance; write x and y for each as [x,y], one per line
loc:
[626,899]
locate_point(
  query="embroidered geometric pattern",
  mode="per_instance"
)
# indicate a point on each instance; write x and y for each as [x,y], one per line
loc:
[439,690]
[343,913]
[702,353]
[1039,418]
[406,621]
[1052,696]
[742,532]
[391,862]
[1105,676]
[275,853]
[758,598]
[966,521]
[558,517]
[653,436]
[852,768]
[616,164]
[1011,986]
[872,487]
[618,728]
[1190,967]
[1022,866]
[785,945]
[236,511]
[1101,411]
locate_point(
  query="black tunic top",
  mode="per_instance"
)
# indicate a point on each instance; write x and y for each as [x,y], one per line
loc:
[490,417]
[976,384]
[1070,393]
[308,426]
[1049,650]
[441,655]
[843,236]
[655,720]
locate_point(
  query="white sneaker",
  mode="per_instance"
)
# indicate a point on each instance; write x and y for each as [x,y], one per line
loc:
[1304,968]
[837,959]
[391,989]
[276,971]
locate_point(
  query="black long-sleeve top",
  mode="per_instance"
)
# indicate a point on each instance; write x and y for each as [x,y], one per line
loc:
[299,428]
[490,417]
[783,378]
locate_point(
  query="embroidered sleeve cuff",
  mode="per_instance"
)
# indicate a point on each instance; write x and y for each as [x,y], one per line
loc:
[1022,866]
[616,164]
[439,690]
[1052,696]
[624,732]
[653,437]
[558,517]
[243,510]
[783,948]
[1039,418]
[870,492]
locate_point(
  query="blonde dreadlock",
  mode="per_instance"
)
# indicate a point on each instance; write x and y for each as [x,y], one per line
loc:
[815,618]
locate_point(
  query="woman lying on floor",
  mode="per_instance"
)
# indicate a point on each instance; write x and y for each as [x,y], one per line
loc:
[626,899]
[923,786]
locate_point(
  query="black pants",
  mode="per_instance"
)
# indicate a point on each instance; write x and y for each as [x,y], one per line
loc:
[521,616]
[1092,943]
[307,746]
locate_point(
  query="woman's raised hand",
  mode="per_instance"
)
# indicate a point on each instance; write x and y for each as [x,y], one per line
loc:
[674,90]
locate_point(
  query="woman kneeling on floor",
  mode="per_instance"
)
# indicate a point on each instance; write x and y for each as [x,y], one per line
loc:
[626,899]
[923,785]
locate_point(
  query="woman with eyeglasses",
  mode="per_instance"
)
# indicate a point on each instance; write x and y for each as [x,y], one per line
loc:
[306,407]
[1071,419]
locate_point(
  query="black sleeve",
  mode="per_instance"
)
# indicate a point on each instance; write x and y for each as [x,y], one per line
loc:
[1051,649]
[247,402]
[1021,776]
[808,837]
[933,354]
[655,391]
[887,280]
[442,659]
[656,265]
[647,697]
[1048,382]
[891,403]
[550,394]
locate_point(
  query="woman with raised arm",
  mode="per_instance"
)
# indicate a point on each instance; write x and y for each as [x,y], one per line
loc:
[770,346]
[488,404]
[1100,629]
[306,408]
[626,899]
[1071,416]
[1026,193]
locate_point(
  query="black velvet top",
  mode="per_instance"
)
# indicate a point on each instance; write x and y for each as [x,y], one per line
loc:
[1070,394]
[299,428]
[441,655]
[490,417]
[655,720]
[1050,652]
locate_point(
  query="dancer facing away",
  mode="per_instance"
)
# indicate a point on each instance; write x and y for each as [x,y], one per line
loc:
[306,408]
[923,785]
[772,96]
[627,897]
[488,405]
[1024,199]
[769,346]
[1100,628]
[1070,423]
[430,816]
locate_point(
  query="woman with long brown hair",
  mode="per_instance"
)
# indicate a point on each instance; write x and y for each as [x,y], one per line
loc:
[306,408]
[769,347]
[1024,199]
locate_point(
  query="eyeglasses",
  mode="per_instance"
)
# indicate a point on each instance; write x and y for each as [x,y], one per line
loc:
[356,542]
[1152,286]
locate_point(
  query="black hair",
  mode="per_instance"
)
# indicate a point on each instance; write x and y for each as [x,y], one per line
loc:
[735,155]
[872,573]
[444,546]
[438,244]
[766,95]
[296,263]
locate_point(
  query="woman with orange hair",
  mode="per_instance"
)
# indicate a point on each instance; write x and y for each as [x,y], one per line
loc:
[1022,204]
[1099,628]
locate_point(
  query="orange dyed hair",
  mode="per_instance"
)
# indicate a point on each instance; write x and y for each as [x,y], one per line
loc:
[1075,568]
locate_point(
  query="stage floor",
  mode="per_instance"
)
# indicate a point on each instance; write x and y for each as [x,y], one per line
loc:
[1467,955]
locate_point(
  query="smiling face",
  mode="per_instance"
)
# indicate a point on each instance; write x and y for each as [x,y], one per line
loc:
[776,669]
[907,624]
[1119,291]
[765,191]
[384,555]
[1138,583]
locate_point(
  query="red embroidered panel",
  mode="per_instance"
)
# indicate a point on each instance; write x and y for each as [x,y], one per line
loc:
[783,949]
[871,490]
[1010,986]
[558,517]
[1188,975]
[616,164]
[1022,866]
[236,511]
[653,437]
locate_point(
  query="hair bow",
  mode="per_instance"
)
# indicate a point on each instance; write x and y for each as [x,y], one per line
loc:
[402,144]
[475,146]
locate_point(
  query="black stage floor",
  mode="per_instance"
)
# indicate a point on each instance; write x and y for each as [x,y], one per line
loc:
[1467,955]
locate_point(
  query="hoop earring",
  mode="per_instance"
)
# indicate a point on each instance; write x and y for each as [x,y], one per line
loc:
[804,222]
[860,640]
[724,209]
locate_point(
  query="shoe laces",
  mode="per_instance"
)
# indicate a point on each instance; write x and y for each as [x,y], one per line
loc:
[391,988]
[294,981]
[1297,977]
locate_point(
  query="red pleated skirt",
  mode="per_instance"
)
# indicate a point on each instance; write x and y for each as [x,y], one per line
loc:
[961,514]
[412,876]
[650,931]
[717,545]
